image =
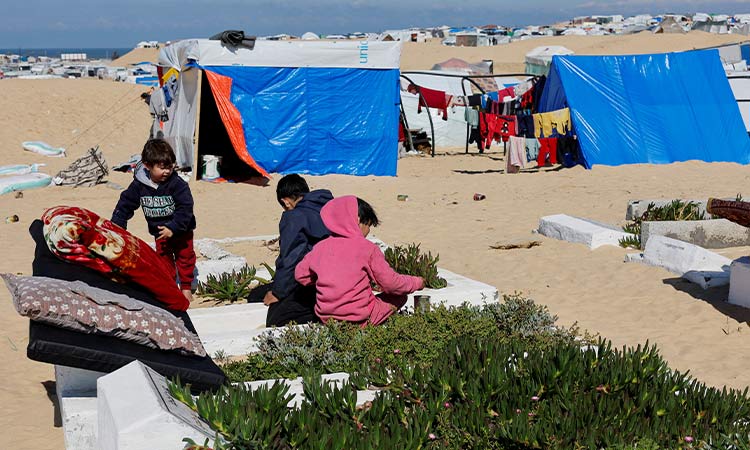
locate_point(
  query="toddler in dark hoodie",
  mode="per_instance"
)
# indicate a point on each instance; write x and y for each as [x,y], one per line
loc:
[300,228]
[168,206]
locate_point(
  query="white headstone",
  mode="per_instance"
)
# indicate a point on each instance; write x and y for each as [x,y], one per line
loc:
[136,411]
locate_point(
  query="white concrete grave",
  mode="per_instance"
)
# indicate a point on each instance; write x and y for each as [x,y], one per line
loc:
[715,233]
[636,208]
[76,396]
[296,387]
[739,282]
[689,261]
[136,412]
[232,329]
[579,230]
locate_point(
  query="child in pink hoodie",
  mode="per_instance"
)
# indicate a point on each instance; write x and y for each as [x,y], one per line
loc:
[342,266]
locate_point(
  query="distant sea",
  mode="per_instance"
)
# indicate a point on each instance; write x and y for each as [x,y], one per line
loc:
[91,53]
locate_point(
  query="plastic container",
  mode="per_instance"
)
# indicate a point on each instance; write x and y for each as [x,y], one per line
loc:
[421,303]
[211,167]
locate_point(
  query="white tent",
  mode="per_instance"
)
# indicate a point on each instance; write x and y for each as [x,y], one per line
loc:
[740,85]
[574,32]
[539,59]
[310,36]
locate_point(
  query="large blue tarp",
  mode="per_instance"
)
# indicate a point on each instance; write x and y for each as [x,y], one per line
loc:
[318,120]
[655,109]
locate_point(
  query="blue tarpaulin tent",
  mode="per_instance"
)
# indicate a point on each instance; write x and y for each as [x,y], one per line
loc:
[657,109]
[287,106]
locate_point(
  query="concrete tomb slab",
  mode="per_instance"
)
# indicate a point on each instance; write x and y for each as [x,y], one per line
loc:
[689,261]
[739,282]
[76,396]
[715,233]
[136,411]
[579,230]
[232,329]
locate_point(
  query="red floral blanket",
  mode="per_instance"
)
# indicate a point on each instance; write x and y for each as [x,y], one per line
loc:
[80,236]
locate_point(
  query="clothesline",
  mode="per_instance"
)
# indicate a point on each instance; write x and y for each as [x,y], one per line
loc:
[509,113]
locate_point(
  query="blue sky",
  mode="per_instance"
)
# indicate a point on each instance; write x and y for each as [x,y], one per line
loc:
[104,23]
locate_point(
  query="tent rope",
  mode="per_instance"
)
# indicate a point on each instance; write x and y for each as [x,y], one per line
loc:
[104,115]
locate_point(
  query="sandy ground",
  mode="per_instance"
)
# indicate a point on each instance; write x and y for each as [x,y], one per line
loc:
[628,303]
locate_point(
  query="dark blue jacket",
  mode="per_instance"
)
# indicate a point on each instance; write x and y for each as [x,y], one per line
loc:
[299,229]
[169,204]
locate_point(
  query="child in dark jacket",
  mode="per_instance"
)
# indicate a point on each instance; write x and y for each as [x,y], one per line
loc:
[168,206]
[300,228]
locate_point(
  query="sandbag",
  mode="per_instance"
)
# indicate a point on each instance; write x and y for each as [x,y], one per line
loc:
[43,148]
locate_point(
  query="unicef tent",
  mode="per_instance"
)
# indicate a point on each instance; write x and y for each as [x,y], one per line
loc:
[284,106]
[654,109]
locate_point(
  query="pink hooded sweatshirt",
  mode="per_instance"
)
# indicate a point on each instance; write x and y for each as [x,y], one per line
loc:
[342,266]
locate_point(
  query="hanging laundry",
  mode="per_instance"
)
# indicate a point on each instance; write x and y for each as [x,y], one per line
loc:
[556,123]
[476,136]
[432,98]
[516,158]
[502,126]
[509,107]
[527,98]
[507,92]
[525,125]
[523,87]
[552,124]
[474,100]
[532,149]
[547,149]
[538,89]
[568,151]
[472,117]
[458,100]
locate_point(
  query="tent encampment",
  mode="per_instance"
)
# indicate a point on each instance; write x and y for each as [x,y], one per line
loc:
[658,108]
[310,107]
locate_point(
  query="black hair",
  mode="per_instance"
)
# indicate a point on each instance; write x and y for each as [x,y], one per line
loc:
[158,152]
[291,186]
[366,214]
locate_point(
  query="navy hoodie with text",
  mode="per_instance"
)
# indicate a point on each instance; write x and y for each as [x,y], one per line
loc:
[169,203]
[299,229]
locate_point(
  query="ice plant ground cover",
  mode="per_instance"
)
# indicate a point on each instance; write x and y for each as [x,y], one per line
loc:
[497,377]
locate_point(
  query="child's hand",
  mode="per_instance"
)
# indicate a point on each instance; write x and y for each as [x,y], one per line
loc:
[421,284]
[164,232]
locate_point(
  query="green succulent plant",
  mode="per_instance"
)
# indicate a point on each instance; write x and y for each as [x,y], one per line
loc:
[232,286]
[410,260]
[485,393]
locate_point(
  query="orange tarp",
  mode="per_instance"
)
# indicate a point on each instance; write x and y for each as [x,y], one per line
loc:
[221,87]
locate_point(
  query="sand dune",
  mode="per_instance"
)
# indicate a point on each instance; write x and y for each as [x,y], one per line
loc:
[627,303]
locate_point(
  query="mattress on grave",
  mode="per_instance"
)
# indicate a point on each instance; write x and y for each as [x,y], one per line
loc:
[101,353]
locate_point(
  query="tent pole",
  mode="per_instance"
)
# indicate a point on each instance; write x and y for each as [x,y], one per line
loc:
[406,124]
[196,138]
[468,127]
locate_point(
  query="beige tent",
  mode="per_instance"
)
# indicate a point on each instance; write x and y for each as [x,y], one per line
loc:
[669,25]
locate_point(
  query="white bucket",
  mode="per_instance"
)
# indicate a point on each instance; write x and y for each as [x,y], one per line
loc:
[211,167]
